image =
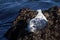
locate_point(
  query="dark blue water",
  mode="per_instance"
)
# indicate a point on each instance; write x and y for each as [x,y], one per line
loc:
[9,11]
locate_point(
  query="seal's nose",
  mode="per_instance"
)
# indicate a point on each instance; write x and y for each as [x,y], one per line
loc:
[31,27]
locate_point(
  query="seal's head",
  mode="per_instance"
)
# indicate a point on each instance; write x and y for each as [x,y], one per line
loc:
[38,22]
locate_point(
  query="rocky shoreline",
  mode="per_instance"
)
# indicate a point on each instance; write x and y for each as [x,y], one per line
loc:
[51,32]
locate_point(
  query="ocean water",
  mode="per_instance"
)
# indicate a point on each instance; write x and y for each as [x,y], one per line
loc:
[9,11]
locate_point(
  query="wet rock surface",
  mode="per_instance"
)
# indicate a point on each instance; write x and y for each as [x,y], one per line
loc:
[51,32]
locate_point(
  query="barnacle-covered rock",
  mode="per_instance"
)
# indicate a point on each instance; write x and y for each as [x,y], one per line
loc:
[20,24]
[51,32]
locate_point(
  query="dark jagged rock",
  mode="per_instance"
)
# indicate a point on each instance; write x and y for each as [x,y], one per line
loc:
[51,32]
[19,25]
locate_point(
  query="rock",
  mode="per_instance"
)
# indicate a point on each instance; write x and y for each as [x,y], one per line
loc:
[51,32]
[20,24]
